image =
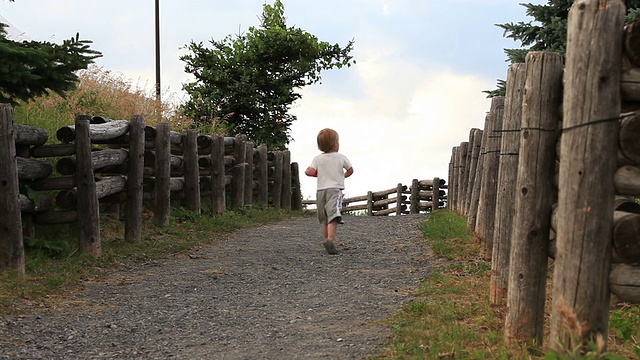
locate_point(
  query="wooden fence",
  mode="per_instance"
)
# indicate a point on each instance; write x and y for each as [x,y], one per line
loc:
[555,174]
[104,165]
[423,195]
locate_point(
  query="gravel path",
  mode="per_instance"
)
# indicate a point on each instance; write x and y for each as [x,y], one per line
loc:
[269,293]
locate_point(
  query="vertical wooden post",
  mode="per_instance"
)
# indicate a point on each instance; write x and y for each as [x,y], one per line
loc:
[162,192]
[527,276]
[248,174]
[296,201]
[476,143]
[11,241]
[286,180]
[435,198]
[263,176]
[472,219]
[218,197]
[88,206]
[487,205]
[277,180]
[449,179]
[453,185]
[399,200]
[587,165]
[464,175]
[240,160]
[415,196]
[506,187]
[135,176]
[191,171]
[370,203]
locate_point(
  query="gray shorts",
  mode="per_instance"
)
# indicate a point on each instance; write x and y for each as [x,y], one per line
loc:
[329,204]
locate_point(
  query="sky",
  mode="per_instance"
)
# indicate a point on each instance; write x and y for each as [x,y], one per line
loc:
[414,93]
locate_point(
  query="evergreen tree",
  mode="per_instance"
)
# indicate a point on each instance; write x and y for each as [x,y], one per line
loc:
[548,33]
[30,68]
[247,83]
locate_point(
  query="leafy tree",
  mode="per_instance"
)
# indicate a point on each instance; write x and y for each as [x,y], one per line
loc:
[247,83]
[548,33]
[30,69]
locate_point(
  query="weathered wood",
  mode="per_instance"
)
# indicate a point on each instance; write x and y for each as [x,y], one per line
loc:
[465,163]
[628,141]
[415,195]
[263,176]
[237,187]
[54,183]
[369,203]
[631,36]
[55,217]
[296,200]
[626,237]
[399,199]
[55,150]
[248,174]
[135,176]
[11,241]
[68,199]
[30,169]
[88,206]
[191,172]
[385,202]
[506,186]
[30,135]
[162,193]
[474,150]
[627,180]
[487,205]
[276,195]
[99,160]
[217,175]
[286,180]
[534,190]
[98,133]
[436,193]
[472,218]
[624,282]
[587,165]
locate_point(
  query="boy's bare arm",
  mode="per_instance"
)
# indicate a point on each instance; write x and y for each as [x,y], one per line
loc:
[349,172]
[311,172]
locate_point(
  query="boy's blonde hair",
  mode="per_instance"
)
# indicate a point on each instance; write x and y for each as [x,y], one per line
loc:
[327,139]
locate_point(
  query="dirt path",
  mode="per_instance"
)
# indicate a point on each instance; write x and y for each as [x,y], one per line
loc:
[269,293]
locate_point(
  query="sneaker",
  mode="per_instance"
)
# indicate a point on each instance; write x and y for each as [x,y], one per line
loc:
[330,247]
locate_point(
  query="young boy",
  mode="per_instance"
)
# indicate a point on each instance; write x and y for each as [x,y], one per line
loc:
[329,168]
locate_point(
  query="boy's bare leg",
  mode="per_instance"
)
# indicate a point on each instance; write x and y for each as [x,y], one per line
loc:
[331,230]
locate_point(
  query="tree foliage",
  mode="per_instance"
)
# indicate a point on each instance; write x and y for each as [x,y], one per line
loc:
[247,83]
[30,69]
[547,32]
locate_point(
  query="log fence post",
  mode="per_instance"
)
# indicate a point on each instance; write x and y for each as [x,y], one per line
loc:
[11,240]
[527,276]
[399,200]
[506,186]
[277,180]
[162,188]
[474,203]
[587,165]
[487,205]
[88,206]
[370,203]
[135,176]
[240,159]
[296,201]
[286,180]
[248,174]
[218,196]
[415,197]
[191,171]
[435,197]
[263,176]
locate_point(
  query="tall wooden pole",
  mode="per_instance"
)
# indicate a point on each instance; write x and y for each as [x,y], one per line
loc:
[587,165]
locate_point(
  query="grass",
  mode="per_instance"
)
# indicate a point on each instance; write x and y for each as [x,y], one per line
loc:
[54,265]
[450,316]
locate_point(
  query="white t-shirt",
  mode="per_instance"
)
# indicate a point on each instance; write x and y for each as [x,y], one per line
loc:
[330,167]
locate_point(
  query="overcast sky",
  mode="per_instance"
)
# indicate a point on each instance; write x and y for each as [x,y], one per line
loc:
[415,92]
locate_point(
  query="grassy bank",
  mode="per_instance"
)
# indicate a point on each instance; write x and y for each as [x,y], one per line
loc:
[450,316]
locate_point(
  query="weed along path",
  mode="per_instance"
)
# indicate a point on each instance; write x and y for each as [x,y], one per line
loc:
[270,292]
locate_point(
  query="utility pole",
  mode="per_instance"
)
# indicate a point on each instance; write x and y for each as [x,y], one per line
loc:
[158,88]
